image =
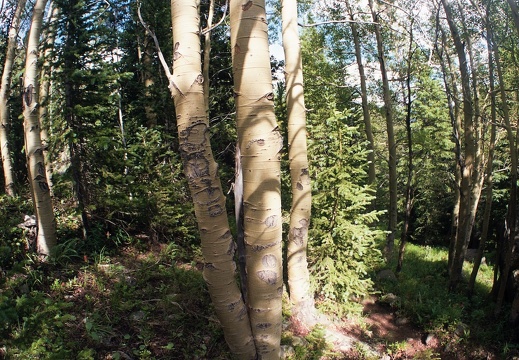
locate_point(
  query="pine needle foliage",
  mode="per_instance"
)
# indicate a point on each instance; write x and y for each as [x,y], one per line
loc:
[343,241]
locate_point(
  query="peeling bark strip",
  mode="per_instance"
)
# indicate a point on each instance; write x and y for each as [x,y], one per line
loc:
[204,184]
[259,142]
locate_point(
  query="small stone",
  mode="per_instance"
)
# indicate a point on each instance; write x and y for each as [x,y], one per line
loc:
[427,338]
[287,352]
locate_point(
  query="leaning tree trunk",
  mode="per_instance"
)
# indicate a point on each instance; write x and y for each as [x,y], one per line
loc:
[260,144]
[204,184]
[46,239]
[298,276]
[5,87]
[388,108]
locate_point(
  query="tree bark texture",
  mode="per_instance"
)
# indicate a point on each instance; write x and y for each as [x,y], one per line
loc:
[298,276]
[260,144]
[46,239]
[218,247]
[5,88]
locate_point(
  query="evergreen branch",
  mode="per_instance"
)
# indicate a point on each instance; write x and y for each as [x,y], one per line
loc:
[156,41]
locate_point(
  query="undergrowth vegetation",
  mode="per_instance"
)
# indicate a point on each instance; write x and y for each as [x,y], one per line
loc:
[462,324]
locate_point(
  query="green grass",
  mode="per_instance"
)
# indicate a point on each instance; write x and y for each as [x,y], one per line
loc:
[421,291]
[141,305]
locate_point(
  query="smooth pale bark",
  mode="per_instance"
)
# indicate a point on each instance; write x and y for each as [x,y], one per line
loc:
[388,111]
[260,144]
[469,183]
[5,88]
[46,239]
[46,70]
[298,276]
[204,184]
[364,97]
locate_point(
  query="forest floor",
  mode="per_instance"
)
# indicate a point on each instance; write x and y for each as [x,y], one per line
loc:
[145,302]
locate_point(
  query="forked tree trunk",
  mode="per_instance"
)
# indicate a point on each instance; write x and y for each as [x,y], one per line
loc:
[260,144]
[204,184]
[298,276]
[469,179]
[388,110]
[5,88]
[46,239]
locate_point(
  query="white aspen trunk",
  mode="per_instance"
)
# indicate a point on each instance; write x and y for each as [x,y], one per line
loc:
[5,87]
[186,86]
[298,276]
[46,239]
[260,144]
[45,119]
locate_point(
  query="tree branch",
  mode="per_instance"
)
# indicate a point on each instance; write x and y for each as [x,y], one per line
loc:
[337,22]
[156,41]
[205,31]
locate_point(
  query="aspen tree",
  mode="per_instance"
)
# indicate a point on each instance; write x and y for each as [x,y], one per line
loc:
[260,143]
[186,85]
[4,97]
[298,276]
[46,239]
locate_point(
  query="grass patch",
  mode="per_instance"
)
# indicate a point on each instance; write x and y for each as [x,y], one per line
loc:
[459,322]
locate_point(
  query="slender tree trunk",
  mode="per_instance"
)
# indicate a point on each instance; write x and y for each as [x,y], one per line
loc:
[45,120]
[46,239]
[409,184]
[298,276]
[469,165]
[260,144]
[207,54]
[5,88]
[204,184]
[489,178]
[512,204]
[388,108]
[364,97]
